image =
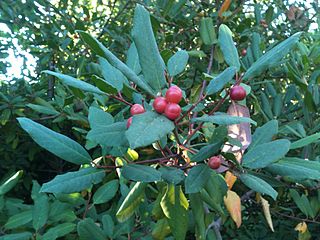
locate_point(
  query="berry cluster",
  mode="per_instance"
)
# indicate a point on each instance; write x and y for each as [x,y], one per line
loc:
[169,105]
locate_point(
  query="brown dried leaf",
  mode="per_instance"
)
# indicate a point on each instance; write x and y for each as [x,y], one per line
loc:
[240,132]
[230,179]
[233,205]
[266,210]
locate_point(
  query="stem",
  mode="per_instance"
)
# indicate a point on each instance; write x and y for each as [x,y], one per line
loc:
[87,205]
[121,99]
[216,108]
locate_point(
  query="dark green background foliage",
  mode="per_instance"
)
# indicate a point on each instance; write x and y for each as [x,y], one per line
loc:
[58,128]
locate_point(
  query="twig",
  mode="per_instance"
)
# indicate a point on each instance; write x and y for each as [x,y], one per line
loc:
[120,99]
[87,205]
[274,212]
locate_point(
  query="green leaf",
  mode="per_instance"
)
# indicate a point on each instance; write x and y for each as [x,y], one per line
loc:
[17,236]
[140,173]
[87,229]
[175,207]
[296,168]
[224,119]
[59,231]
[302,203]
[40,212]
[272,57]
[133,59]
[264,133]
[198,213]
[264,154]
[112,135]
[148,128]
[207,32]
[106,192]
[43,109]
[55,143]
[305,141]
[73,82]
[131,202]
[172,175]
[108,225]
[206,152]
[197,178]
[19,219]
[258,185]
[74,181]
[227,47]
[161,229]
[101,50]
[9,183]
[178,62]
[111,75]
[219,82]
[97,117]
[150,59]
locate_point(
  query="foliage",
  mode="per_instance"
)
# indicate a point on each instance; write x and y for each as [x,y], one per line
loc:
[73,168]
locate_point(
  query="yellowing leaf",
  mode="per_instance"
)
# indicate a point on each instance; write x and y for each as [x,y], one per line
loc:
[266,210]
[224,7]
[233,205]
[301,227]
[230,179]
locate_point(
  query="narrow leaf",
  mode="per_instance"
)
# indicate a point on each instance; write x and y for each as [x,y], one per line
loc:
[131,202]
[224,119]
[140,173]
[265,154]
[174,205]
[148,128]
[258,185]
[197,178]
[11,182]
[219,82]
[106,192]
[296,168]
[177,63]
[59,231]
[55,143]
[87,229]
[207,32]
[265,133]
[73,82]
[150,59]
[74,181]
[112,135]
[228,48]
[19,219]
[101,50]
[273,56]
[305,141]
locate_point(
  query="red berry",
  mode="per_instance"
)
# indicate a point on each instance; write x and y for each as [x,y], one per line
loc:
[129,121]
[174,94]
[160,104]
[237,93]
[137,109]
[244,52]
[214,162]
[172,111]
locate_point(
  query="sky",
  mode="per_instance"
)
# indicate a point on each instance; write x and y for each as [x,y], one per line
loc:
[16,69]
